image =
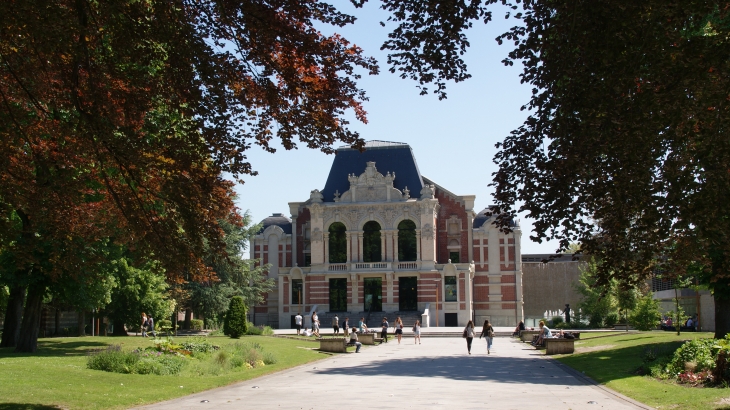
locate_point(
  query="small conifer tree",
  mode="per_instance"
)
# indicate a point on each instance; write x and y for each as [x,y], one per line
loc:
[235,324]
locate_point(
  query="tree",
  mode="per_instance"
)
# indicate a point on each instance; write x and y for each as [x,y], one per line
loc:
[646,315]
[235,324]
[141,288]
[234,274]
[626,148]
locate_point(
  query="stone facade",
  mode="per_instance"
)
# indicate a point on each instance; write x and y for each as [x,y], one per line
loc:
[381,238]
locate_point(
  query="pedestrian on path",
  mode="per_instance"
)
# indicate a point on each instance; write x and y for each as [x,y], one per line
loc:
[144,324]
[488,333]
[298,321]
[417,333]
[384,332]
[336,326]
[346,327]
[315,324]
[398,329]
[469,335]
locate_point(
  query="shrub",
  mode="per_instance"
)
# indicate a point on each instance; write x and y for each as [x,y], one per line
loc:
[697,353]
[267,331]
[611,319]
[164,324]
[212,323]
[269,358]
[199,345]
[252,330]
[112,359]
[646,315]
[196,324]
[235,325]
[557,320]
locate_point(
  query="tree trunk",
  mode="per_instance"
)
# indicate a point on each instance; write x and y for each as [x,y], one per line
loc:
[119,329]
[722,317]
[28,339]
[13,316]
[57,324]
[188,318]
[81,322]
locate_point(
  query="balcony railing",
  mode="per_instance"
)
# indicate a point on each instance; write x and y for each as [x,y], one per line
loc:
[372,265]
[407,265]
[337,267]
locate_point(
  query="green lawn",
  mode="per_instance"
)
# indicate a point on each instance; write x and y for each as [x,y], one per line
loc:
[613,361]
[57,375]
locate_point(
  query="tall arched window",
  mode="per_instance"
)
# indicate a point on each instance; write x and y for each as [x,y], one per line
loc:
[371,242]
[338,243]
[407,241]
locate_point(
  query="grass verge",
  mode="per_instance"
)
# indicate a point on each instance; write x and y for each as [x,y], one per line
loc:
[613,361]
[57,375]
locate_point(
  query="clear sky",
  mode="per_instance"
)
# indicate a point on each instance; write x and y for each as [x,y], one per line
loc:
[453,140]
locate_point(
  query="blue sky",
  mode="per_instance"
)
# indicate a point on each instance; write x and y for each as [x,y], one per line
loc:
[453,140]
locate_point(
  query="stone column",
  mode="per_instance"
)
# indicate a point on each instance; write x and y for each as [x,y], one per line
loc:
[519,304]
[293,241]
[359,246]
[349,249]
[395,246]
[326,248]
[418,244]
[382,245]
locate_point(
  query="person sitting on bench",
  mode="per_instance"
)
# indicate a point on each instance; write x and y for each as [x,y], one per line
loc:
[544,333]
[353,340]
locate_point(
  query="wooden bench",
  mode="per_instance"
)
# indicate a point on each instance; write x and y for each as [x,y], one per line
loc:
[559,346]
[333,344]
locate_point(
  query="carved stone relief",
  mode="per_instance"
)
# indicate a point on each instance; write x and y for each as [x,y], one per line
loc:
[317,235]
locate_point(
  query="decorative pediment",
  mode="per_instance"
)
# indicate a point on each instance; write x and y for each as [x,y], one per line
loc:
[371,186]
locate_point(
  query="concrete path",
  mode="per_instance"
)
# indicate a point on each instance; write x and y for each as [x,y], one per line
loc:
[436,374]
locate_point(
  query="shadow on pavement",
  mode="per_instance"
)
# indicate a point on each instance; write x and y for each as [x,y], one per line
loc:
[473,368]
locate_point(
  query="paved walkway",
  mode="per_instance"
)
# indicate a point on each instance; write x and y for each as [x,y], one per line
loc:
[436,374]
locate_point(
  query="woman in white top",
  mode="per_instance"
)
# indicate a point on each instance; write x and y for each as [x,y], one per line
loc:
[399,329]
[417,333]
[469,332]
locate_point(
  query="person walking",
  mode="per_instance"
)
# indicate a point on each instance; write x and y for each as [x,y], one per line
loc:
[469,335]
[417,332]
[488,333]
[353,340]
[143,326]
[315,324]
[151,326]
[398,329]
[298,321]
[336,326]
[346,327]
[384,332]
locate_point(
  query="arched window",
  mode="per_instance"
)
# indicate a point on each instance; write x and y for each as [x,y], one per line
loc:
[407,241]
[371,242]
[338,243]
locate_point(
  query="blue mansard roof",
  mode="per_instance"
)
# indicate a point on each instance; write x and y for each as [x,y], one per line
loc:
[393,157]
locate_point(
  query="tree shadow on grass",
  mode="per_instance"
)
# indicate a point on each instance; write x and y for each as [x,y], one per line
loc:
[56,347]
[26,406]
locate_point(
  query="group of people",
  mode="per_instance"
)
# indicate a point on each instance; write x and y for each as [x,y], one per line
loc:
[692,322]
[148,325]
[487,333]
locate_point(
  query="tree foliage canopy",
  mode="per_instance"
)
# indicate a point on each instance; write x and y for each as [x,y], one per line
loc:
[626,148]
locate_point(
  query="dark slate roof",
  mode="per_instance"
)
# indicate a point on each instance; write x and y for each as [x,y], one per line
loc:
[388,157]
[482,217]
[539,257]
[279,220]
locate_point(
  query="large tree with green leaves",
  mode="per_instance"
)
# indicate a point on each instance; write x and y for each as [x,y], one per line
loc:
[626,148]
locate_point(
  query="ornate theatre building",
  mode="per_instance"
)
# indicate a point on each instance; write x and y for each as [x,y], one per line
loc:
[380,237]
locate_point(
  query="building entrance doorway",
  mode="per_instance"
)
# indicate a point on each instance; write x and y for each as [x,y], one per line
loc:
[373,292]
[408,293]
[338,295]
